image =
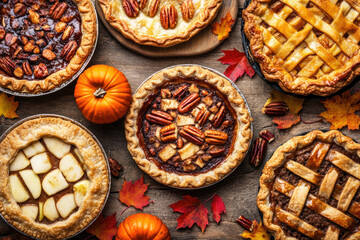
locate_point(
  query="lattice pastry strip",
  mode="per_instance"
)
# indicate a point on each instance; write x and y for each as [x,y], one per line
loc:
[348,193]
[344,163]
[328,183]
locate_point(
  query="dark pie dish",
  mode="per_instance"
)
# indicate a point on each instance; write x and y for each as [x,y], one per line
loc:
[188,127]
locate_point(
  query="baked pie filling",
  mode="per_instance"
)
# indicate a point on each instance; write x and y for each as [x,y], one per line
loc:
[186,127]
[38,38]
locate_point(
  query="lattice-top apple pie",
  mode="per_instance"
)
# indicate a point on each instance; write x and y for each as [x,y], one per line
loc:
[307,46]
[188,127]
[309,188]
[54,178]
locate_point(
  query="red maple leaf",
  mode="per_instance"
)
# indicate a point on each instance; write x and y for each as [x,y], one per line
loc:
[104,229]
[238,64]
[133,194]
[217,207]
[193,211]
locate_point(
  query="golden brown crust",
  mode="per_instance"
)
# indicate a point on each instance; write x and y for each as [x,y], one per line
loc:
[278,160]
[114,14]
[96,168]
[323,86]
[89,32]
[241,143]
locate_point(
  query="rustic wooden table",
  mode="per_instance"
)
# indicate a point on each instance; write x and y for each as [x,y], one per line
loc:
[238,191]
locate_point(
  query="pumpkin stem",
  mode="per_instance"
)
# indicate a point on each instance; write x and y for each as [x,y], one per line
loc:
[100,93]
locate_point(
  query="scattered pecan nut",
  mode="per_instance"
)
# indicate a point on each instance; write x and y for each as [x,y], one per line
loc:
[192,134]
[187,10]
[48,54]
[115,167]
[276,109]
[20,9]
[159,117]
[215,137]
[150,7]
[168,16]
[40,71]
[245,223]
[27,68]
[219,117]
[268,136]
[57,10]
[168,133]
[131,8]
[7,65]
[69,50]
[189,103]
[258,152]
[69,30]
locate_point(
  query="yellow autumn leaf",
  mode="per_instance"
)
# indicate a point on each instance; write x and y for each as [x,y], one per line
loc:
[8,106]
[258,233]
[295,104]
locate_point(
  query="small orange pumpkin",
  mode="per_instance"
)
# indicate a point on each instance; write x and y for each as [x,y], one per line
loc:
[142,226]
[102,94]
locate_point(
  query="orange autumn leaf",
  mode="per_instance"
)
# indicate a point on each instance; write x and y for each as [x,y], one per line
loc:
[8,106]
[287,121]
[340,111]
[223,28]
[104,228]
[259,232]
[133,194]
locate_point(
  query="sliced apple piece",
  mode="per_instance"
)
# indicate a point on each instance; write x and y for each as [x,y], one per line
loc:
[40,163]
[166,153]
[71,168]
[80,189]
[183,120]
[30,210]
[41,211]
[167,104]
[56,146]
[188,150]
[66,204]
[54,182]
[157,133]
[32,181]
[18,191]
[193,89]
[20,162]
[78,155]
[33,149]
[50,211]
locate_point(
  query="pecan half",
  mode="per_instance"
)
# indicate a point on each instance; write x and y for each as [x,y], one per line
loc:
[69,50]
[159,117]
[10,39]
[67,33]
[168,133]
[34,17]
[268,136]
[7,65]
[18,72]
[192,134]
[245,223]
[57,10]
[40,71]
[187,10]
[27,68]
[33,58]
[115,167]
[150,7]
[215,137]
[20,9]
[180,143]
[219,117]
[275,109]
[216,152]
[202,116]
[131,8]
[48,54]
[168,16]
[165,93]
[178,93]
[189,103]
[258,152]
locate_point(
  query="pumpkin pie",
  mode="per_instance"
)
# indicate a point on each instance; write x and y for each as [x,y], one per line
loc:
[54,178]
[44,43]
[159,23]
[188,127]
[308,47]
[309,188]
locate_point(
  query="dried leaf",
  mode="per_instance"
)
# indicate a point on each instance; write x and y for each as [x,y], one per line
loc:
[340,111]
[193,211]
[287,121]
[259,232]
[223,28]
[238,64]
[104,229]
[217,207]
[8,106]
[133,194]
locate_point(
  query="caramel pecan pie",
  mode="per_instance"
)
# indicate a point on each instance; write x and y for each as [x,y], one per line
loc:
[309,188]
[54,178]
[188,127]
[307,46]
[159,23]
[44,43]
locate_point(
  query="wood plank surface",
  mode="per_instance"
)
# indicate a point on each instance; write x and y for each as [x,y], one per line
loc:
[238,191]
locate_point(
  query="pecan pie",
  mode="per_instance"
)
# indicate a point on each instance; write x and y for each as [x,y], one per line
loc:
[159,23]
[54,178]
[44,43]
[309,188]
[308,47]
[188,127]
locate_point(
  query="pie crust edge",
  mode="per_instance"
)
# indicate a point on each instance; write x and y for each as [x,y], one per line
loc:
[97,171]
[240,145]
[120,25]
[324,86]
[88,38]
[278,159]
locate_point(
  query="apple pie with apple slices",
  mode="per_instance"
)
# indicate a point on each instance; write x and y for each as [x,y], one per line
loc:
[54,178]
[188,127]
